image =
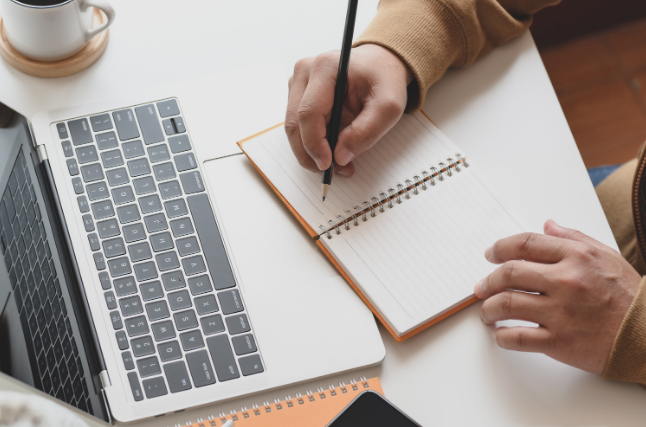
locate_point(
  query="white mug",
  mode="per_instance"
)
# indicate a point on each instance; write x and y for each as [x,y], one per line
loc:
[51,30]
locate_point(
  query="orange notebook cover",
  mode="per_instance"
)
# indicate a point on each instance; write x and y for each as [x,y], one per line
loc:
[314,408]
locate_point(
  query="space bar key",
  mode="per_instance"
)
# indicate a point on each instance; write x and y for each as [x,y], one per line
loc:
[212,246]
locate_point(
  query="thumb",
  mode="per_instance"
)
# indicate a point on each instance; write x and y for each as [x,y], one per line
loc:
[551,228]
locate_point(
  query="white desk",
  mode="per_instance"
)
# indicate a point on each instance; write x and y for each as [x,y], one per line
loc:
[502,112]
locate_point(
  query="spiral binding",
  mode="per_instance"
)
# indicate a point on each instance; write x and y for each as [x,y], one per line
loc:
[265,407]
[391,196]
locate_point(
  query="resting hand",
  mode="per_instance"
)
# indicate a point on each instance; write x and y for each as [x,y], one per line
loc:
[375,100]
[584,289]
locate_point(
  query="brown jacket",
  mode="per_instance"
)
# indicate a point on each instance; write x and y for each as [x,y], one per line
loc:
[433,35]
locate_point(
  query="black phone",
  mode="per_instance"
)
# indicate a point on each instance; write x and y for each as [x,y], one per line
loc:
[370,409]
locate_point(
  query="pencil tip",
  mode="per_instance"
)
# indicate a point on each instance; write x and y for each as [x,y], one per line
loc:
[323,198]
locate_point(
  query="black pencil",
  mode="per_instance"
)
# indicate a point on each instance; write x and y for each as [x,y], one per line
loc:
[339,91]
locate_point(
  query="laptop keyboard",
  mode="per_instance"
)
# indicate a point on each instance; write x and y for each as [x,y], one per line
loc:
[37,292]
[173,303]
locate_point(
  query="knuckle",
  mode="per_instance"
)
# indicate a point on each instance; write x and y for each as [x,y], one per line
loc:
[305,112]
[302,66]
[518,338]
[392,106]
[506,303]
[291,127]
[526,242]
[325,60]
[507,271]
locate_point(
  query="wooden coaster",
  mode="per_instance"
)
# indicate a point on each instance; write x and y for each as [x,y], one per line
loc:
[65,67]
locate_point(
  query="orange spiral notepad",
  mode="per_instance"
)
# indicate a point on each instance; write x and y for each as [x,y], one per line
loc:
[314,408]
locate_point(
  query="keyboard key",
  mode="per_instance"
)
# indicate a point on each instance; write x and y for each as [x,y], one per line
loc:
[80,131]
[161,242]
[131,306]
[123,195]
[114,247]
[140,252]
[83,204]
[137,326]
[173,280]
[154,387]
[104,279]
[115,317]
[149,124]
[110,300]
[128,361]
[169,127]
[155,223]
[157,310]
[244,344]
[103,209]
[122,340]
[107,140]
[191,340]
[150,204]
[177,376]
[179,300]
[117,177]
[142,346]
[151,290]
[133,149]
[101,122]
[167,108]
[200,367]
[179,124]
[87,154]
[99,261]
[206,305]
[97,191]
[185,320]
[181,227]
[212,246]
[251,365]
[145,271]
[111,158]
[238,324]
[92,172]
[179,144]
[163,330]
[170,190]
[129,213]
[125,286]
[192,182]
[108,228]
[175,208]
[158,153]
[120,267]
[137,394]
[134,233]
[169,351]
[62,130]
[126,124]
[77,184]
[95,243]
[164,171]
[167,261]
[230,301]
[223,359]
[139,167]
[194,265]
[72,167]
[188,246]
[185,162]
[148,367]
[144,185]
[200,285]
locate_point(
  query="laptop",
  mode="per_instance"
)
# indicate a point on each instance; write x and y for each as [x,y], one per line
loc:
[119,289]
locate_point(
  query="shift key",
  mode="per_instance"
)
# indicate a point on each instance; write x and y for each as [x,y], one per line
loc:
[222,355]
[126,124]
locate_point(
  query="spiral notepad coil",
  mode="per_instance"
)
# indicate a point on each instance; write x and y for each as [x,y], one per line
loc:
[392,195]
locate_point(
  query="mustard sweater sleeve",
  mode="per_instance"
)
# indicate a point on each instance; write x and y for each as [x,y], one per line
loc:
[433,35]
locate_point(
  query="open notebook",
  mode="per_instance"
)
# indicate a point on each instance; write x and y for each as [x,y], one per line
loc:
[408,230]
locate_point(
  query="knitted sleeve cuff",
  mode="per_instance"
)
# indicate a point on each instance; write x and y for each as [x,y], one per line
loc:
[627,360]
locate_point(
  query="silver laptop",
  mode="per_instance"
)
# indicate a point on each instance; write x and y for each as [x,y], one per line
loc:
[119,292]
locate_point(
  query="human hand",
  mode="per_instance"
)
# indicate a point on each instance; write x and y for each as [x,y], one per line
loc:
[584,289]
[375,100]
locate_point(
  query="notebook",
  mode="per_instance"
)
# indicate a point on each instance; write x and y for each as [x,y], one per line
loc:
[407,231]
[312,409]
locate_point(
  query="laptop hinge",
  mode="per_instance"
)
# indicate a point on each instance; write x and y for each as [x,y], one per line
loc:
[105,379]
[42,153]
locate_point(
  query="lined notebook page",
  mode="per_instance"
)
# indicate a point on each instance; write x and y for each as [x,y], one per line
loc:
[413,145]
[424,256]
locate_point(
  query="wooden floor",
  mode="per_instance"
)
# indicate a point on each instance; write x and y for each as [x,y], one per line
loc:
[600,81]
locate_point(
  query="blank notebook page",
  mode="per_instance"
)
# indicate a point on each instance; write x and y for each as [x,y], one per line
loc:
[413,145]
[423,257]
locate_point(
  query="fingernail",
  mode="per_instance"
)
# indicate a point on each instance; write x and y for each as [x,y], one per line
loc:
[320,164]
[478,288]
[343,157]
[487,253]
[344,172]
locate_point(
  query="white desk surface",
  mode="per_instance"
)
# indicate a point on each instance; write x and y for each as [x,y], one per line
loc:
[502,111]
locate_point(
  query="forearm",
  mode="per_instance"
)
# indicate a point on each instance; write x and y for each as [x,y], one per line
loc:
[432,35]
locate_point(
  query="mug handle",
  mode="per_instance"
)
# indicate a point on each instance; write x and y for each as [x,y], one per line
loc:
[106,8]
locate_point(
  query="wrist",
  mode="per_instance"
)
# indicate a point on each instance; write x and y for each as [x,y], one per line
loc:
[389,57]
